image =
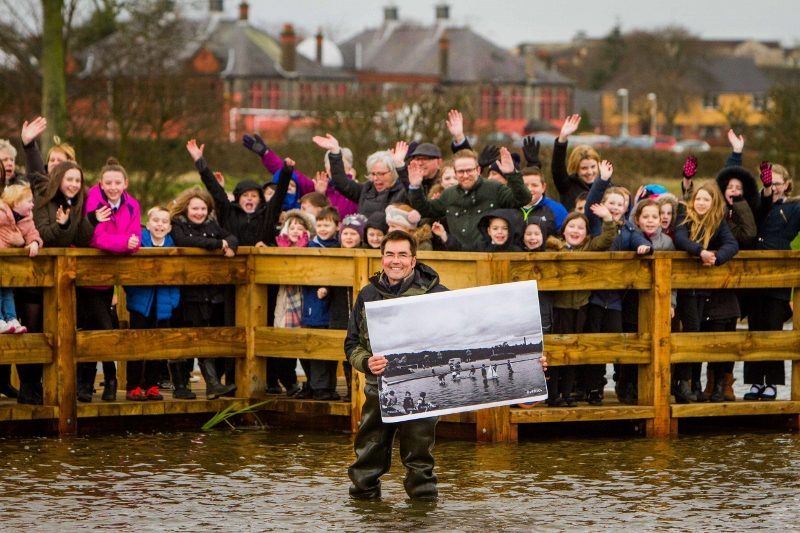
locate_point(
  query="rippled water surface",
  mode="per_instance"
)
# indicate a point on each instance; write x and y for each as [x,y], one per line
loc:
[275,479]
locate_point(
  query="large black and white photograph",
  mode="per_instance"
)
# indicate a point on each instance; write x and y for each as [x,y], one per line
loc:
[459,350]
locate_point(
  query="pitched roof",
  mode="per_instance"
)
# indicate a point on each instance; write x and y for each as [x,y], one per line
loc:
[403,48]
[731,74]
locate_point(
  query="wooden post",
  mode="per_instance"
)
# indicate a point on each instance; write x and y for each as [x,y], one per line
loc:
[794,420]
[654,320]
[251,312]
[357,397]
[494,424]
[60,321]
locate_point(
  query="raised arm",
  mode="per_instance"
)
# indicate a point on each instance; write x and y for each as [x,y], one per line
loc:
[221,201]
[416,195]
[559,161]
[737,146]
[515,194]
[349,188]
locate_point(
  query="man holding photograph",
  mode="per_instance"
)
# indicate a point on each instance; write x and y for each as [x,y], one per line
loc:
[401,276]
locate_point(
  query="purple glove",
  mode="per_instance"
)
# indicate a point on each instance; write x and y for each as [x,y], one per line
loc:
[690,167]
[766,173]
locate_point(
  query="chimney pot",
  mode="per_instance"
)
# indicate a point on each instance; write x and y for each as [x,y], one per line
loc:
[319,39]
[288,48]
[442,12]
[216,6]
[390,14]
[244,10]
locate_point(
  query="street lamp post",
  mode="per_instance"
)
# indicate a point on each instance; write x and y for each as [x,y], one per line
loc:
[623,94]
[653,99]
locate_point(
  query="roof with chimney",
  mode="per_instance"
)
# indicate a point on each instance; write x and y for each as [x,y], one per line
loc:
[406,48]
[730,74]
[245,51]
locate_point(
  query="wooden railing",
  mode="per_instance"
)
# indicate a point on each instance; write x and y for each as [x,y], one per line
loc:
[654,347]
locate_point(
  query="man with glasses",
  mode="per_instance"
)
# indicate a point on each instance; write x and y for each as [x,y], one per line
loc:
[401,276]
[464,204]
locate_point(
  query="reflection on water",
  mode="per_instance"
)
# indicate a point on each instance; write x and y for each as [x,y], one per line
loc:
[262,480]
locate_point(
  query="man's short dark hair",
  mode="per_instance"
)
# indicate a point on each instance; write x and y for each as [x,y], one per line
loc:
[400,235]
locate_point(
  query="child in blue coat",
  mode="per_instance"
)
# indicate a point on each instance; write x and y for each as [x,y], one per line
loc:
[152,307]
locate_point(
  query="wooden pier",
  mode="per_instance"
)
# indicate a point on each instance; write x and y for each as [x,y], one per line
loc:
[653,348]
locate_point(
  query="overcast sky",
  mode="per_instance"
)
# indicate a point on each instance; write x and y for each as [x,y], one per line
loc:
[481,317]
[510,22]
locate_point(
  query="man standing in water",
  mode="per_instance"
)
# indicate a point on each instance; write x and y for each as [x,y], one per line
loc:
[401,276]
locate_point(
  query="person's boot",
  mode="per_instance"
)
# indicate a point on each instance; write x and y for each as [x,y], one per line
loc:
[682,392]
[30,394]
[709,390]
[214,389]
[718,395]
[85,392]
[181,390]
[697,391]
[727,389]
[109,390]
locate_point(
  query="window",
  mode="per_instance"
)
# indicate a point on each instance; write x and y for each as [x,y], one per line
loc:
[711,101]
[760,102]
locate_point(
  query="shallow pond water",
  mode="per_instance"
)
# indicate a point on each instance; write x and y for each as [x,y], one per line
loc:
[278,479]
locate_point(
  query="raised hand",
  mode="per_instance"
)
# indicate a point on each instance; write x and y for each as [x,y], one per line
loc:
[329,142]
[255,144]
[690,167]
[62,217]
[102,214]
[506,163]
[737,141]
[415,174]
[321,181]
[220,178]
[455,125]
[399,153]
[32,130]
[569,127]
[602,212]
[195,151]
[530,148]
[438,229]
[606,170]
[289,162]
[766,173]
[488,155]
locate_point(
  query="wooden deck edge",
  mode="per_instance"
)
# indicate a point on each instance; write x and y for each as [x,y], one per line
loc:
[738,408]
[15,411]
[543,413]
[164,407]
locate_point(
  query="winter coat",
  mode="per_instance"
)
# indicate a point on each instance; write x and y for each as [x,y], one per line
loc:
[569,186]
[209,236]
[720,304]
[344,205]
[113,234]
[340,301]
[356,344]
[14,232]
[741,214]
[78,230]
[464,209]
[552,212]
[369,200]
[579,298]
[140,299]
[316,311]
[777,230]
[249,228]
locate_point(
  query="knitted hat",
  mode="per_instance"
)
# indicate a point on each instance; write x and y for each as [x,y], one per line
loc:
[377,220]
[402,215]
[357,222]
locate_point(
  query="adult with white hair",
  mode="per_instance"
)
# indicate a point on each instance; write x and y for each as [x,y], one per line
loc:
[382,189]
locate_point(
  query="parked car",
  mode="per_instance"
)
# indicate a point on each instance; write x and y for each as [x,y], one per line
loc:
[595,141]
[640,142]
[664,142]
[690,145]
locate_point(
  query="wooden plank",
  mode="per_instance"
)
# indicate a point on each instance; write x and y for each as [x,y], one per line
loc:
[581,414]
[167,343]
[593,348]
[26,272]
[735,346]
[14,411]
[755,272]
[304,270]
[251,312]
[166,407]
[308,407]
[308,343]
[210,269]
[495,425]
[27,348]
[361,273]
[60,320]
[794,423]
[583,274]
[694,410]
[655,377]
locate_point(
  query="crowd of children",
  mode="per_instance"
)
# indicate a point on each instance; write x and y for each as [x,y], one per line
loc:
[487,201]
